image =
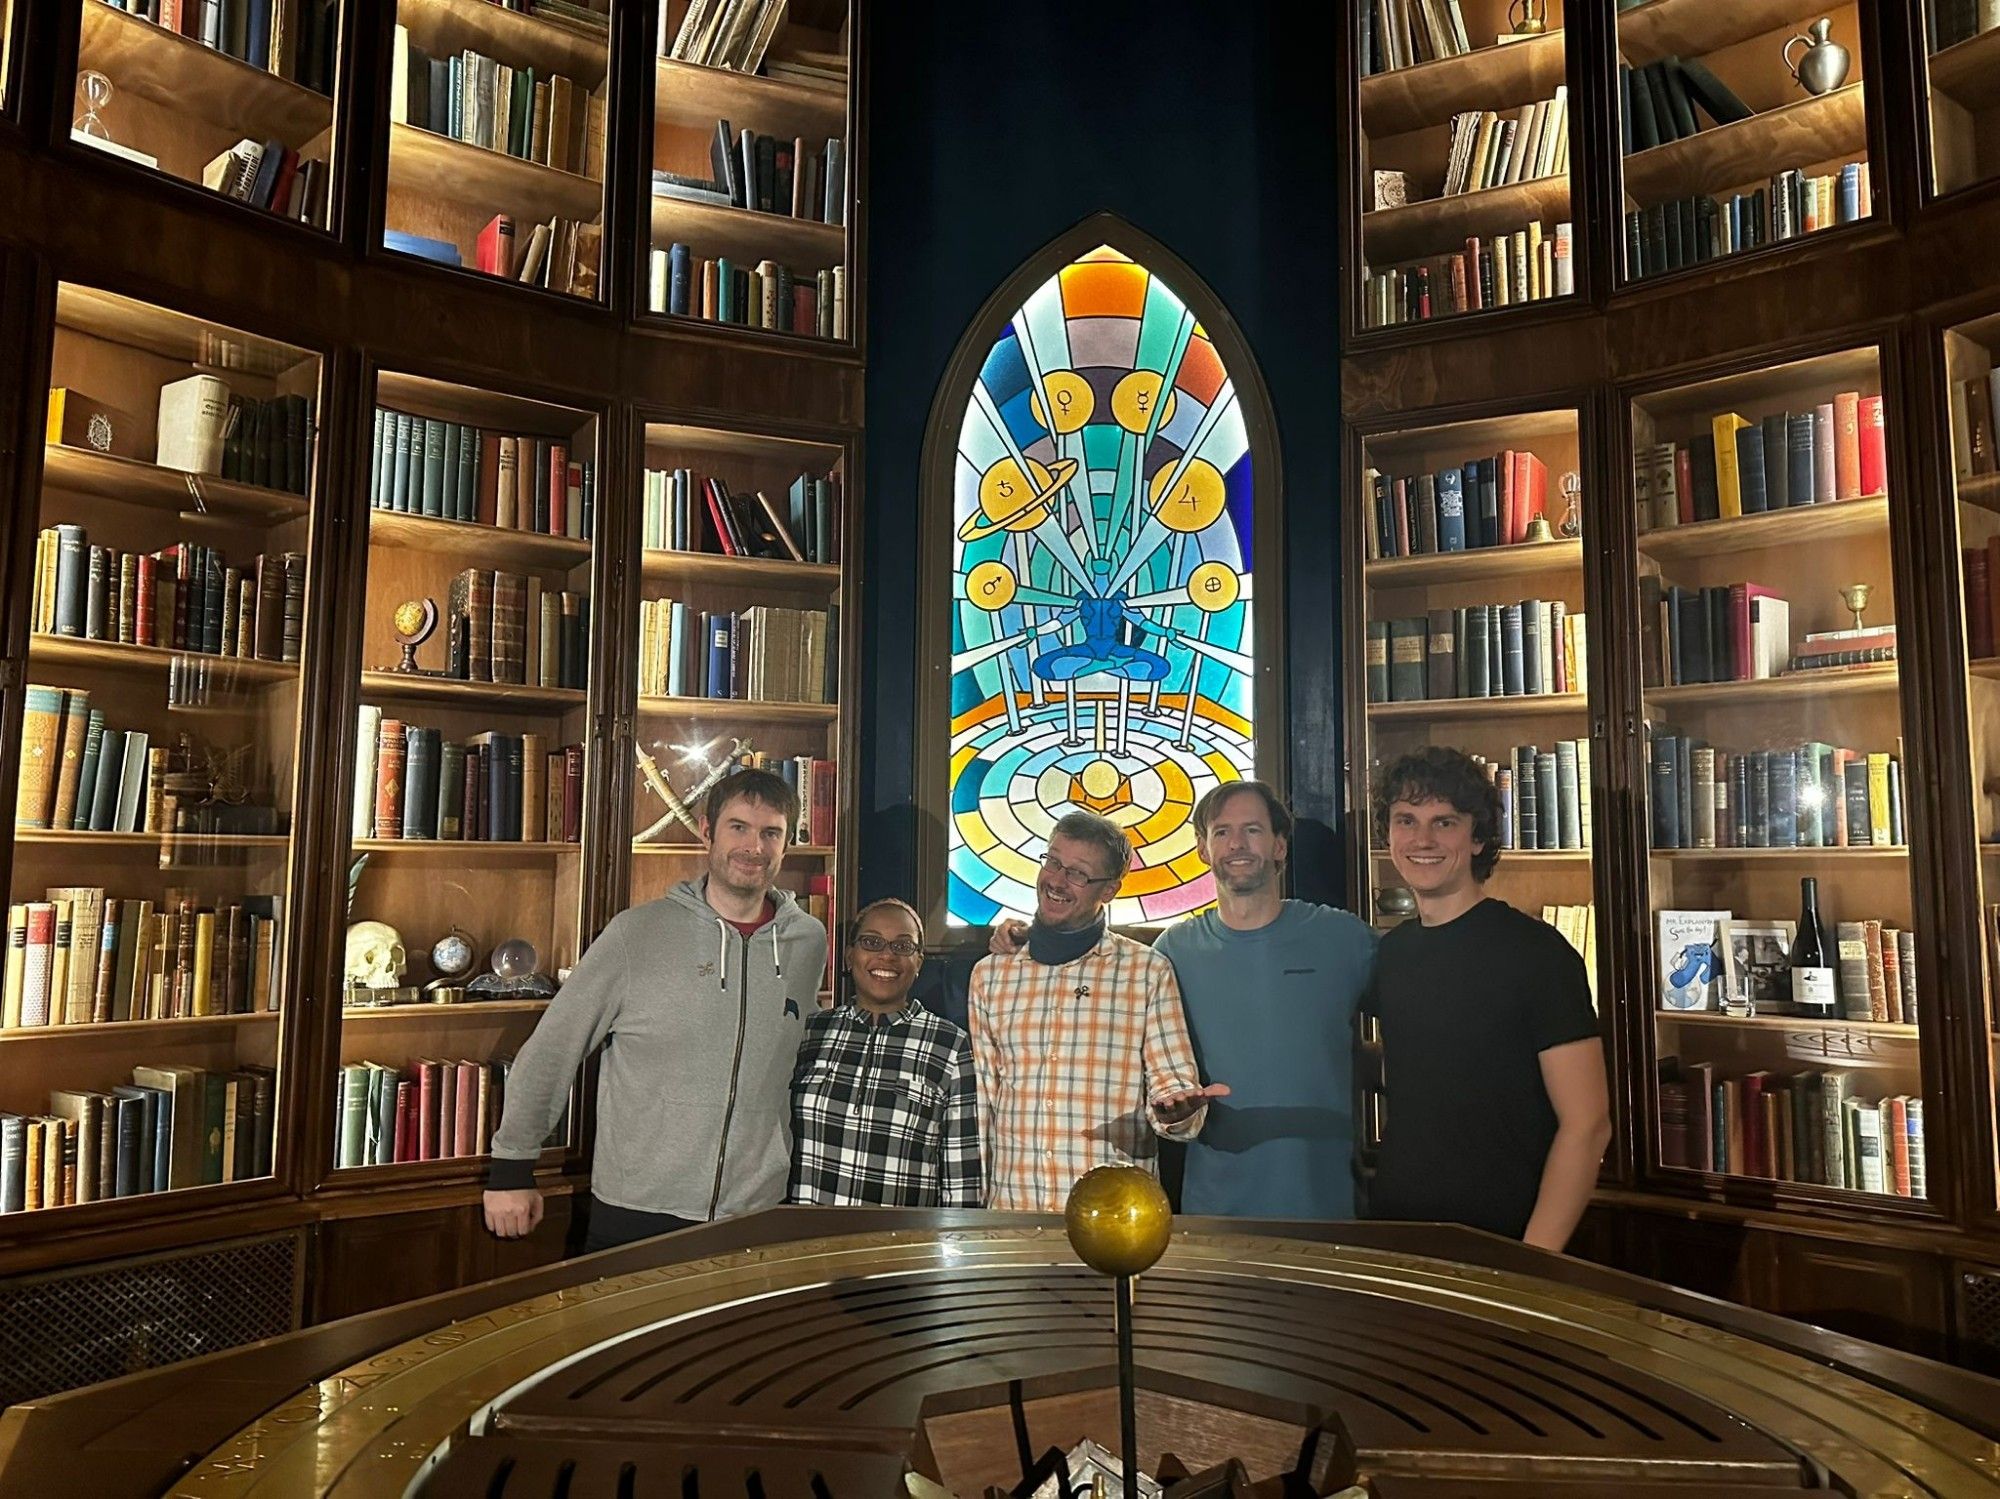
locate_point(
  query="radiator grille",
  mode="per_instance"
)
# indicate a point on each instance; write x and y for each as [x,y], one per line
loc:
[66,1328]
[1979,1319]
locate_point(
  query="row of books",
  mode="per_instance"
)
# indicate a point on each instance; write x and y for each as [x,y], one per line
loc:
[171,1127]
[1658,101]
[560,255]
[769,295]
[1484,502]
[1490,150]
[410,782]
[506,627]
[1578,925]
[733,34]
[184,597]
[79,775]
[762,654]
[1973,437]
[295,39]
[1835,451]
[1982,599]
[1875,975]
[1740,632]
[469,97]
[1480,650]
[1528,265]
[1544,795]
[766,174]
[1810,795]
[428,1110]
[272,176]
[1799,1127]
[688,512]
[203,427]
[1688,231]
[79,958]
[1399,33]
[427,465]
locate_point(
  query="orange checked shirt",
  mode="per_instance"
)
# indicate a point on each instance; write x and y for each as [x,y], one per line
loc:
[1069,1059]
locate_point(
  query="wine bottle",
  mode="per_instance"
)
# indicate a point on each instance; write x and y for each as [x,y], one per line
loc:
[1812,969]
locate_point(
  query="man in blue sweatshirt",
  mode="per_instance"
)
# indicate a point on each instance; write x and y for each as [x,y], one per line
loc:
[1270,988]
[698,1000]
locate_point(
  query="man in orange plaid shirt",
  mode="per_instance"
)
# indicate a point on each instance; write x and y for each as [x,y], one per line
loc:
[1078,1041]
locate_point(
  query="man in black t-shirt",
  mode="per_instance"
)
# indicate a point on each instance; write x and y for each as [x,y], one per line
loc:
[1497,1113]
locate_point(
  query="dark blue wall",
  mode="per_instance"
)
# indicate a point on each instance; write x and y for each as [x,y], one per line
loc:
[992,129]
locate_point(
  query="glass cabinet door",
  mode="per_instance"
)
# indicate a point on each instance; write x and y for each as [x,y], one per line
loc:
[1961,45]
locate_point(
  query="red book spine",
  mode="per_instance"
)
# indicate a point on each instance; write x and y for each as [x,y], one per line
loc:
[1874,457]
[572,813]
[465,1110]
[1740,666]
[804,315]
[389,756]
[1684,485]
[1472,288]
[1847,445]
[1423,293]
[558,488]
[473,820]
[825,790]
[1896,1147]
[717,517]
[1978,603]
[406,1121]
[427,1107]
[1504,476]
[142,606]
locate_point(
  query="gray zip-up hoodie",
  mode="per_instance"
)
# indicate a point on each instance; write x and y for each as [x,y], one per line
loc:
[700,1027]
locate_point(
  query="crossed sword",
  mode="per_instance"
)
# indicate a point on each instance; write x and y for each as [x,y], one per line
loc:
[677,805]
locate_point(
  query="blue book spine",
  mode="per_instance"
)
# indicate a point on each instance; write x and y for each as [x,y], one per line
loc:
[1451,510]
[1849,207]
[678,279]
[1512,667]
[716,629]
[1799,458]
[72,580]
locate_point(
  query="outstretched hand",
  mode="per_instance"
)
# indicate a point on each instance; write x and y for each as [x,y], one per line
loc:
[1008,937]
[1178,1106]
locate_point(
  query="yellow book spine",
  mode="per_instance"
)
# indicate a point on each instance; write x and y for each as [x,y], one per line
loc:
[204,959]
[57,397]
[1878,799]
[1728,481]
[1537,289]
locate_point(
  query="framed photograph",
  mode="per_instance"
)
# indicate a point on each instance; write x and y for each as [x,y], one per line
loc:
[1760,955]
[1695,960]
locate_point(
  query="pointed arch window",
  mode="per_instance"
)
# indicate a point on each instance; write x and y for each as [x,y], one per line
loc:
[1106,471]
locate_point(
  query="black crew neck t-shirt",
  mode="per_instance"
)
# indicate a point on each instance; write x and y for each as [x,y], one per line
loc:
[1466,1010]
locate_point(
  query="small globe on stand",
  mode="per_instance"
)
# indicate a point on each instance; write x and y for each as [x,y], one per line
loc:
[1118,1220]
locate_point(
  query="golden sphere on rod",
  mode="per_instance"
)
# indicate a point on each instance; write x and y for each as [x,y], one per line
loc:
[1118,1220]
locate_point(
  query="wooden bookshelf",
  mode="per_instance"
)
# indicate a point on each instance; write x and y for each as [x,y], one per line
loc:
[1969,73]
[422,1013]
[1791,1024]
[1535,705]
[1435,225]
[1406,99]
[1837,681]
[696,851]
[1523,560]
[1776,528]
[76,841]
[522,40]
[1823,128]
[137,1030]
[477,851]
[690,568]
[409,687]
[738,708]
[155,660]
[747,235]
[1863,853]
[84,471]
[506,546]
[1533,855]
[178,74]
[702,95]
[436,166]
[1694,28]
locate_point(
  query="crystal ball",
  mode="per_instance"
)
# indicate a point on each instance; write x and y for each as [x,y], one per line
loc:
[516,958]
[1118,1220]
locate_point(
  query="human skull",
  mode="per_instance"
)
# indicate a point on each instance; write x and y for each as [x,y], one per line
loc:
[374,955]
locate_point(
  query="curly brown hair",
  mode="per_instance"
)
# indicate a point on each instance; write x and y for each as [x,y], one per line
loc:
[1437,774]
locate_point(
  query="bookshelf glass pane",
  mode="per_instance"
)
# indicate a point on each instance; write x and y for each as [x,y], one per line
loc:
[1465,138]
[738,653]
[140,1034]
[1768,619]
[750,186]
[1971,352]
[465,840]
[1962,74]
[1725,149]
[234,99]
[496,138]
[1478,639]
[1103,662]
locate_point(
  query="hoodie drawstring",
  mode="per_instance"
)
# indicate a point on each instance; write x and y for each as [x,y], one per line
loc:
[722,952]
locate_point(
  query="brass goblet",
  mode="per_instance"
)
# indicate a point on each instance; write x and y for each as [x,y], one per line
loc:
[1855,596]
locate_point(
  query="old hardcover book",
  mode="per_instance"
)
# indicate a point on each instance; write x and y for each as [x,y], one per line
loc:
[1847,445]
[390,760]
[41,752]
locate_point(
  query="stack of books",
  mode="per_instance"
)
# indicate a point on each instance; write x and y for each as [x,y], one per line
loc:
[426,465]
[1834,451]
[1482,650]
[688,512]
[1799,1127]
[769,295]
[1530,264]
[506,627]
[767,174]
[1491,150]
[1398,33]
[761,654]
[733,34]
[1484,502]
[1809,795]
[412,783]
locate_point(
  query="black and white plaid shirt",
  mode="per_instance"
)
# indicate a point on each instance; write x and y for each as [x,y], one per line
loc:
[883,1112]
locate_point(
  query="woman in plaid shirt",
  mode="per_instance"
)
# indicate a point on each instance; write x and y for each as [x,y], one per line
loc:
[883,1113]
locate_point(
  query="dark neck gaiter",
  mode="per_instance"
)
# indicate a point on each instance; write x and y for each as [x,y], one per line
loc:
[1048,945]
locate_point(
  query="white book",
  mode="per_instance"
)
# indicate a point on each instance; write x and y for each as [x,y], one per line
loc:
[535,254]
[657,272]
[193,415]
[1554,128]
[367,747]
[132,783]
[1528,125]
[1865,1129]
[399,79]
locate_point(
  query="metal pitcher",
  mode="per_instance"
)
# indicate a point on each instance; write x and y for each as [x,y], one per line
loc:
[1822,67]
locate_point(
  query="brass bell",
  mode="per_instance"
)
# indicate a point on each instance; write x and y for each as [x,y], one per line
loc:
[1538,529]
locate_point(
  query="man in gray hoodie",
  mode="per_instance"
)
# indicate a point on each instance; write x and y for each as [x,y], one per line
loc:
[698,999]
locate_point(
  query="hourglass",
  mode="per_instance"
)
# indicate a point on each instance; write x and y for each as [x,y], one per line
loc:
[95,91]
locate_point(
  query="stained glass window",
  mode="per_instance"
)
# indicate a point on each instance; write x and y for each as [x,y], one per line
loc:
[1101,617]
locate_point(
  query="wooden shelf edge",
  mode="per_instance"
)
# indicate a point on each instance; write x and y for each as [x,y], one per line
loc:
[84,471]
[112,655]
[437,533]
[422,160]
[1833,124]
[1826,680]
[1782,1024]
[1969,73]
[1474,562]
[726,707]
[1440,225]
[446,691]
[1516,705]
[1742,531]
[546,44]
[1399,100]
[1807,851]
[159,1029]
